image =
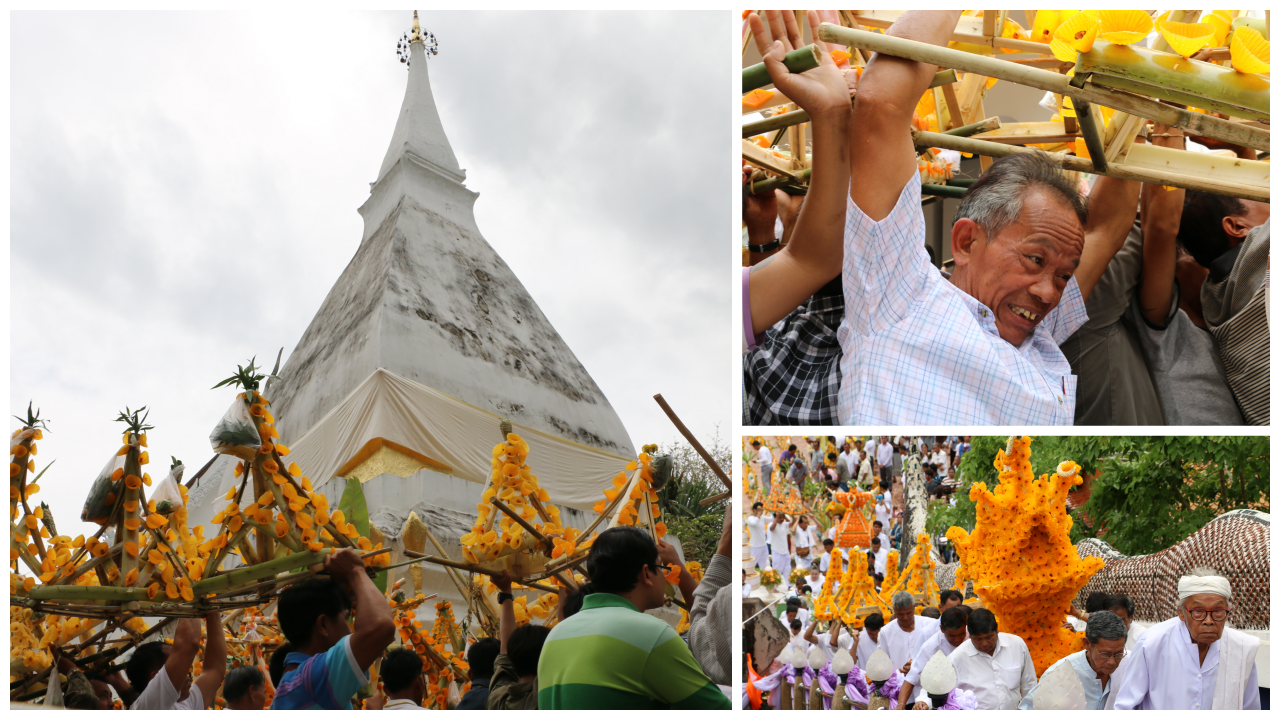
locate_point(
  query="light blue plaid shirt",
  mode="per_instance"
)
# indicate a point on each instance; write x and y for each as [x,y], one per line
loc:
[917,350]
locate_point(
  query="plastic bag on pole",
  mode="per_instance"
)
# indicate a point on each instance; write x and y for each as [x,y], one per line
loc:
[167,496]
[104,493]
[237,432]
[455,696]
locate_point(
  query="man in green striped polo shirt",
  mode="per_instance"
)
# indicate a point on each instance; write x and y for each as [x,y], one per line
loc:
[610,655]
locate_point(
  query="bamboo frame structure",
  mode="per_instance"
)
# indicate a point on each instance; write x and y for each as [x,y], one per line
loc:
[1191,122]
[787,119]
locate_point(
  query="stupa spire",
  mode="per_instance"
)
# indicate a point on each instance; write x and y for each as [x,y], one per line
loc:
[419,134]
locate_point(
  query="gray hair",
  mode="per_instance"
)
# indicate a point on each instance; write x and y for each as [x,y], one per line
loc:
[903,599]
[1104,625]
[994,202]
[1203,572]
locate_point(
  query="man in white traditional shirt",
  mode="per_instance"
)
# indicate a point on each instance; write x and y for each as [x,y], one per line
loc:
[869,639]
[883,452]
[866,476]
[765,456]
[797,637]
[758,536]
[877,530]
[1193,661]
[879,557]
[1104,635]
[898,636]
[780,543]
[830,641]
[806,543]
[824,563]
[953,632]
[996,667]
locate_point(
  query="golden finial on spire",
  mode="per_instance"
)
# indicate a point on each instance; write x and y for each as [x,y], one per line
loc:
[429,44]
[416,35]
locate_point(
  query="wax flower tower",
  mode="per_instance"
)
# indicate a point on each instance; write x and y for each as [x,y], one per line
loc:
[854,530]
[1020,557]
[824,607]
[857,590]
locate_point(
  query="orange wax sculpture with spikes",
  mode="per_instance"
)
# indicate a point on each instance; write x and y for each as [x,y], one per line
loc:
[854,530]
[1020,556]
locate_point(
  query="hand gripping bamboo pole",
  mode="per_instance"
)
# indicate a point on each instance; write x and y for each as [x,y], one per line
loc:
[1194,123]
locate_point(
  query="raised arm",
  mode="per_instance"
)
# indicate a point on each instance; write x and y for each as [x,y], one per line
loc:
[883,157]
[815,250]
[1113,204]
[1161,219]
[374,628]
[808,634]
[507,617]
[186,643]
[215,658]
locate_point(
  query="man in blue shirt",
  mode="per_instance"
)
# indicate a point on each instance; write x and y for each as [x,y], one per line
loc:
[330,662]
[1104,636]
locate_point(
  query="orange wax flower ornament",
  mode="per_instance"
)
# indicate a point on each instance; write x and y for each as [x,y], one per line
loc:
[1020,557]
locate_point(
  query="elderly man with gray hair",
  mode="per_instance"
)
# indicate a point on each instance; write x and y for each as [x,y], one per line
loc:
[899,636]
[980,347]
[1193,661]
[1104,636]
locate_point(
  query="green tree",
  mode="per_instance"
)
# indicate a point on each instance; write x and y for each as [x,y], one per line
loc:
[691,482]
[1153,492]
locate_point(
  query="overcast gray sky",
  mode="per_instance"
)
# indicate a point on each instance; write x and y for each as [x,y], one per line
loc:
[184,190]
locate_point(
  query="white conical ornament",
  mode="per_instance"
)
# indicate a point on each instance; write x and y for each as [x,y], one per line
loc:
[1060,689]
[784,657]
[938,676]
[879,666]
[798,660]
[842,662]
[817,658]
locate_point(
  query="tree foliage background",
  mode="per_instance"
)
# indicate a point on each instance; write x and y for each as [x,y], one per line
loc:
[1151,493]
[697,526]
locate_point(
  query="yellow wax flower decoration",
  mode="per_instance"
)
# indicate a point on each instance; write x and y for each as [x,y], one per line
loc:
[1220,21]
[1186,38]
[1047,21]
[891,570]
[1020,557]
[1013,31]
[1250,52]
[1074,36]
[1124,27]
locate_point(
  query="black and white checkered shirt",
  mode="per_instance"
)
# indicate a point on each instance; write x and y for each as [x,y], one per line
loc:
[793,377]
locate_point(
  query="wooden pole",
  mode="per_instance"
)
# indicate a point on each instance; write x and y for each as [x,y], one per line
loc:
[781,120]
[1194,123]
[991,123]
[797,61]
[715,499]
[1092,136]
[943,191]
[768,185]
[697,446]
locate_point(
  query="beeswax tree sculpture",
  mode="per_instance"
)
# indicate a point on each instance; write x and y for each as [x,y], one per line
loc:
[824,607]
[1020,556]
[918,577]
[858,591]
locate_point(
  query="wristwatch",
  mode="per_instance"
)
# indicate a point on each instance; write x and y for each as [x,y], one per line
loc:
[505,596]
[766,247]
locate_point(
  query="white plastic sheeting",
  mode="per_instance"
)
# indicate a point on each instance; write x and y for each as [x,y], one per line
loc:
[449,431]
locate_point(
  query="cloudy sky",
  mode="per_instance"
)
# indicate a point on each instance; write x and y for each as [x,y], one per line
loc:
[184,190]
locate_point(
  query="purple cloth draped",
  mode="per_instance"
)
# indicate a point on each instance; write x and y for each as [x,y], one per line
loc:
[959,699]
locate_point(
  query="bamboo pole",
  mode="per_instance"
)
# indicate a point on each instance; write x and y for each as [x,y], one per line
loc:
[988,125]
[797,61]
[232,578]
[451,572]
[787,119]
[1195,123]
[943,191]
[1119,170]
[1092,136]
[697,446]
[608,510]
[715,499]
[768,185]
[543,540]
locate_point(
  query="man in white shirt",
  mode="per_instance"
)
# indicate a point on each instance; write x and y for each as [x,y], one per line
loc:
[996,667]
[765,456]
[1104,649]
[881,562]
[758,541]
[806,543]
[1193,661]
[898,636]
[830,641]
[850,458]
[954,631]
[883,452]
[780,543]
[869,640]
[797,637]
[941,458]
[866,476]
[824,563]
[877,530]
[884,507]
[161,673]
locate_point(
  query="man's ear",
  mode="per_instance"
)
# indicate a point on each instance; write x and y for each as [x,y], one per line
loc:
[964,233]
[1235,226]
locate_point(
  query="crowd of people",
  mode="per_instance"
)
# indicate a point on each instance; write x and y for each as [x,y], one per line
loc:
[1136,305]
[1189,662]
[604,652]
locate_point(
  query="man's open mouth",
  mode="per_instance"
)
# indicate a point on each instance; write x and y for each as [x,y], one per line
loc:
[1023,312]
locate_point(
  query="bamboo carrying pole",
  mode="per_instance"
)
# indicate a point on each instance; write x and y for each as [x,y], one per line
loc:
[1194,123]
[1069,162]
[797,61]
[781,120]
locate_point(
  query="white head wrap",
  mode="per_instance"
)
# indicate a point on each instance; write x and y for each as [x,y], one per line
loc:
[1189,585]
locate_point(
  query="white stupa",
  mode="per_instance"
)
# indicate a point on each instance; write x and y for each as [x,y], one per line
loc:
[425,343]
